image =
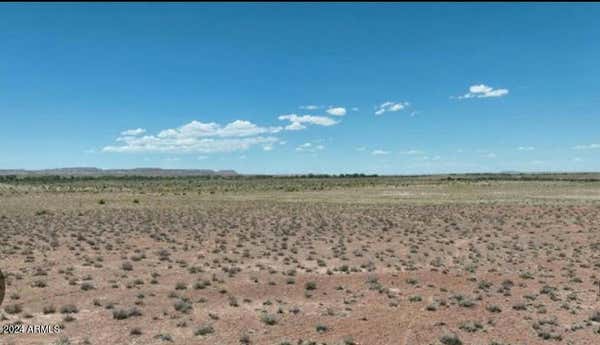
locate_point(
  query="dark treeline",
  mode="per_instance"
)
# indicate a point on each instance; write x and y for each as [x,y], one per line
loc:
[65,178]
[474,177]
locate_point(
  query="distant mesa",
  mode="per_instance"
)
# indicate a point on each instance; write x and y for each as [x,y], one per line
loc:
[86,171]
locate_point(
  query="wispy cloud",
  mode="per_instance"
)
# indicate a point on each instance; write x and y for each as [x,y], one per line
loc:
[411,152]
[586,147]
[133,132]
[390,107]
[483,91]
[298,121]
[380,152]
[310,147]
[336,111]
[310,107]
[525,148]
[198,137]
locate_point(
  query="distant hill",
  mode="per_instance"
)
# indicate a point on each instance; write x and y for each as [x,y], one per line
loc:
[90,171]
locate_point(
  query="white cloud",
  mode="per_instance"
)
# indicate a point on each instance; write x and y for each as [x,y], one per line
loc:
[355,109]
[411,152]
[201,158]
[310,107]
[298,121]
[336,111]
[361,149]
[525,148]
[390,107]
[198,137]
[238,128]
[309,147]
[268,147]
[133,132]
[295,126]
[380,152]
[483,91]
[490,155]
[586,147]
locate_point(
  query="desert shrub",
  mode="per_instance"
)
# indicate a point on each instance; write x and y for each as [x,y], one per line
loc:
[348,340]
[62,341]
[520,306]
[493,309]
[466,303]
[182,306]
[69,309]
[87,286]
[39,284]
[310,285]
[321,328]
[245,339]
[164,337]
[233,301]
[122,314]
[49,309]
[13,309]
[450,339]
[269,319]
[415,298]
[412,281]
[432,307]
[470,326]
[204,330]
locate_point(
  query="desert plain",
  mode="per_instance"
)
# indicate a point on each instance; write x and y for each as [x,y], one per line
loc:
[283,260]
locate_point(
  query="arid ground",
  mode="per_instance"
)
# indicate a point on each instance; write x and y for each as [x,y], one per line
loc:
[370,261]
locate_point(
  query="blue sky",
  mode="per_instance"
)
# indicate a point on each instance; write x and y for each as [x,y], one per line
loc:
[295,88]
